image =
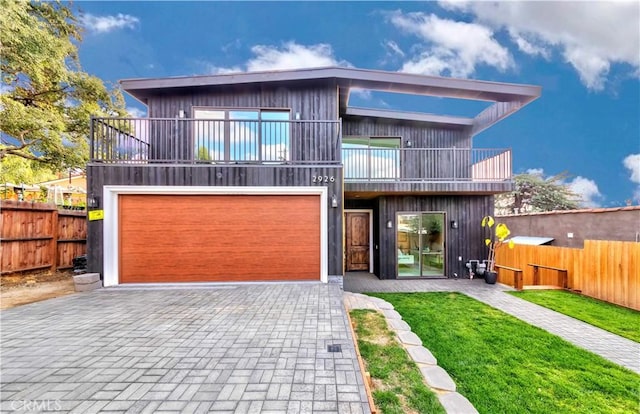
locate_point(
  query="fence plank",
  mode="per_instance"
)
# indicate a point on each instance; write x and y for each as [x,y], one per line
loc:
[54,240]
[38,236]
[606,270]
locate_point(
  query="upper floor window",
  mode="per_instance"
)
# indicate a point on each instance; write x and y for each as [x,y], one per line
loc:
[242,135]
[371,157]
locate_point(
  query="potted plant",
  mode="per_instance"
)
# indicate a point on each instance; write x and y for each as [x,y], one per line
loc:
[498,232]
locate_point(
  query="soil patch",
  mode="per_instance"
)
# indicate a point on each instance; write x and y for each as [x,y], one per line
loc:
[20,289]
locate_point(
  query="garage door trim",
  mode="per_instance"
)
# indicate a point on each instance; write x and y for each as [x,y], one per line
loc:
[110,225]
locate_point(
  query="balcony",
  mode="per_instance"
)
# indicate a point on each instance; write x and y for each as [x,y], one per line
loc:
[210,141]
[182,141]
[427,170]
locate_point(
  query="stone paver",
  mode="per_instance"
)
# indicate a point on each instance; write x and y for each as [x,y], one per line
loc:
[421,355]
[616,349]
[455,403]
[398,325]
[437,378]
[243,349]
[409,338]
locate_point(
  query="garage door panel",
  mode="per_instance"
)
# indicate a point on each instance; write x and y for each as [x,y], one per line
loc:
[198,238]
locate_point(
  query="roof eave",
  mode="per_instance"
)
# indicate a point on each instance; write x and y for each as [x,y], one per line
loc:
[410,116]
[348,78]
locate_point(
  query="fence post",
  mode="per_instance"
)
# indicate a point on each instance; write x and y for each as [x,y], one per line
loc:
[54,240]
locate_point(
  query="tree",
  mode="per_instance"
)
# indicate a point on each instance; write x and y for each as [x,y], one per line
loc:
[46,99]
[19,170]
[533,193]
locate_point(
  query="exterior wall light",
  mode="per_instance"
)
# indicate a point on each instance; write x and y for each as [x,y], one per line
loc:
[454,224]
[93,201]
[334,201]
[389,224]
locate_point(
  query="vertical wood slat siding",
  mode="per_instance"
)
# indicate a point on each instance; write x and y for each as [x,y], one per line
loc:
[420,136]
[465,241]
[61,234]
[205,175]
[173,139]
[605,270]
[416,164]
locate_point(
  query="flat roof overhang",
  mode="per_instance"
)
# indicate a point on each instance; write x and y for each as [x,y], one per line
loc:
[348,78]
[507,97]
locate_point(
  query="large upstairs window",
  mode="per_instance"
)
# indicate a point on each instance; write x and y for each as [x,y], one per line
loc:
[371,157]
[245,135]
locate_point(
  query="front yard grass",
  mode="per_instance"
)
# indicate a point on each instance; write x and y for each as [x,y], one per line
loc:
[613,318]
[398,386]
[504,365]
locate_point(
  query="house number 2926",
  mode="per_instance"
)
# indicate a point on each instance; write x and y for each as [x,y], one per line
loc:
[324,179]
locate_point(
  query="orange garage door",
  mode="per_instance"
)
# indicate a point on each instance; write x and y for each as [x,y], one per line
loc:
[218,238]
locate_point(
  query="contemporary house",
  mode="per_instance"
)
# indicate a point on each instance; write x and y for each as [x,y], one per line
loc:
[271,176]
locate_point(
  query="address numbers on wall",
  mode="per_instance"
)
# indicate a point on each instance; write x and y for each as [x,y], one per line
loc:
[319,179]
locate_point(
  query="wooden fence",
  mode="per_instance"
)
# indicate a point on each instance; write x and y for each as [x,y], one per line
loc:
[606,270]
[39,236]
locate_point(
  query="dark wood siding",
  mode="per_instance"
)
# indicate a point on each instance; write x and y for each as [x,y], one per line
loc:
[417,164]
[465,241]
[204,175]
[319,102]
[420,135]
[310,141]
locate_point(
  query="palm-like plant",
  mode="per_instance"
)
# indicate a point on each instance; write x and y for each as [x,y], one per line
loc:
[497,236]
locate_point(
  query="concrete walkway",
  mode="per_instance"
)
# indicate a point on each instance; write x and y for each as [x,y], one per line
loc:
[616,349]
[224,349]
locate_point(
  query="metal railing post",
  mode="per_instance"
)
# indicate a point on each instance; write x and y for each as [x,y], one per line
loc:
[92,137]
[454,164]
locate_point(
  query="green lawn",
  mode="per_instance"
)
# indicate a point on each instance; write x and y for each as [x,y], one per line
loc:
[613,318]
[398,384]
[503,365]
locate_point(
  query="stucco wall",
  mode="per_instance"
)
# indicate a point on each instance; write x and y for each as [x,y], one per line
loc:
[621,224]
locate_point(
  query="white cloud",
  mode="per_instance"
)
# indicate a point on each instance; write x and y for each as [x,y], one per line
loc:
[235,44]
[530,46]
[105,24]
[217,70]
[290,56]
[451,47]
[632,163]
[591,36]
[587,189]
[535,171]
[393,48]
[136,112]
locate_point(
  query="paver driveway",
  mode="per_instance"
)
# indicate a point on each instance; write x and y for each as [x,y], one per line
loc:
[234,348]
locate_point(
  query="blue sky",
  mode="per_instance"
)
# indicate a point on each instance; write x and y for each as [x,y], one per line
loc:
[585,55]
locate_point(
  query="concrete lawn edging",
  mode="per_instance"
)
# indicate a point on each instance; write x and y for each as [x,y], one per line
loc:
[435,376]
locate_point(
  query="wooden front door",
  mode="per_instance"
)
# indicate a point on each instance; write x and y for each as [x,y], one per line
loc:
[357,243]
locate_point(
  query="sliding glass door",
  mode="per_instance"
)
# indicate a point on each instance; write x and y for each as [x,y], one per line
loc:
[371,158]
[420,244]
